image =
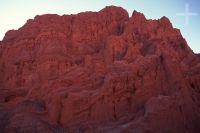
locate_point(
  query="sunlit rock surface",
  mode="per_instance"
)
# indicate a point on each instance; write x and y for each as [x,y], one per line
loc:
[98,72]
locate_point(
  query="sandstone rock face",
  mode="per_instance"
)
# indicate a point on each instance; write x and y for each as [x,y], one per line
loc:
[98,72]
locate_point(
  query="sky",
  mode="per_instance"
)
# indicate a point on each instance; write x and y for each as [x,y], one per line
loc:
[15,13]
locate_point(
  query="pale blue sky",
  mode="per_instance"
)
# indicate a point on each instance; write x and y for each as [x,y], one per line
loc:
[14,13]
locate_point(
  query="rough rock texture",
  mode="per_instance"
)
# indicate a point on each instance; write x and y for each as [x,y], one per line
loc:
[98,72]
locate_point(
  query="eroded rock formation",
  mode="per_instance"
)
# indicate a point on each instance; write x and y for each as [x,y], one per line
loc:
[98,72]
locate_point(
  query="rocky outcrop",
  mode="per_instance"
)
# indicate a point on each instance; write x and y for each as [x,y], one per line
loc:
[98,72]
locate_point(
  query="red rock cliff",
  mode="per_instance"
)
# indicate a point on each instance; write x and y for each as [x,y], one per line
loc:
[98,72]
